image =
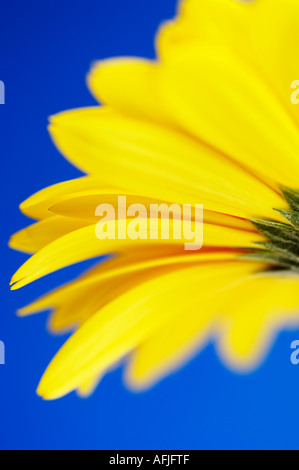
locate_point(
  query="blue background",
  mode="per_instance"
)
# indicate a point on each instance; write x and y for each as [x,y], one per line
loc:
[46,50]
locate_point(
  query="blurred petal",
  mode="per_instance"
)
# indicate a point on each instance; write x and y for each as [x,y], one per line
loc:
[245,328]
[78,300]
[88,386]
[249,327]
[128,320]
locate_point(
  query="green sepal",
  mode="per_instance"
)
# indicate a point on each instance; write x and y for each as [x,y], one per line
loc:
[281,250]
[292,197]
[277,248]
[290,216]
[283,236]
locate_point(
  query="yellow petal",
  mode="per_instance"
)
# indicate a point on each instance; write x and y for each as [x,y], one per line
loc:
[83,244]
[274,36]
[74,303]
[159,163]
[87,388]
[36,236]
[245,315]
[271,303]
[171,346]
[83,206]
[126,321]
[261,32]
[37,206]
[128,85]
[224,22]
[224,102]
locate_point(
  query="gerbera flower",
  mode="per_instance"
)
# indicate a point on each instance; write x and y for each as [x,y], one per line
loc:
[210,122]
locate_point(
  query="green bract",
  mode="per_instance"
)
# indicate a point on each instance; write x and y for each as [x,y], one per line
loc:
[282,248]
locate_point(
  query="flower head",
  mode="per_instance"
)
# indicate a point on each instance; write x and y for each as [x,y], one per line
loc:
[209,122]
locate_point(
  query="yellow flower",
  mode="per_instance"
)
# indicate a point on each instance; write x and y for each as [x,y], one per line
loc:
[209,122]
